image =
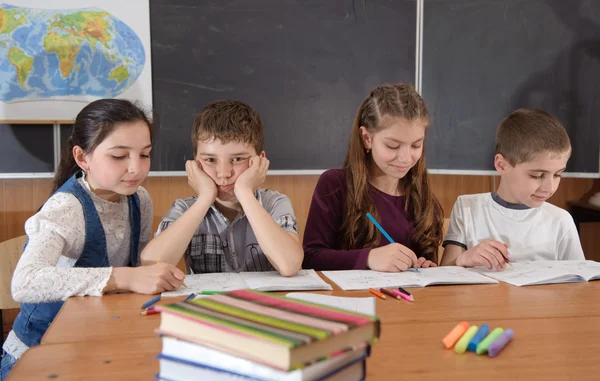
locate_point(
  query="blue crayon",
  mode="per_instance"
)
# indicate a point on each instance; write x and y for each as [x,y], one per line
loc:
[479,336]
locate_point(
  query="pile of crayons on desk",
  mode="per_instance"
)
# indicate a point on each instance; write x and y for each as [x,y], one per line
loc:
[400,293]
[479,340]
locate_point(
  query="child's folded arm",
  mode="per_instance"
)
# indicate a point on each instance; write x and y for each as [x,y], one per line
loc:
[175,232]
[281,247]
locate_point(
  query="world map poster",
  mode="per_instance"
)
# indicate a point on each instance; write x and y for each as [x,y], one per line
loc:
[57,56]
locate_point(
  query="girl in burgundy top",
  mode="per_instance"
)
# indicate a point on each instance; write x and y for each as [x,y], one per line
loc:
[384,174]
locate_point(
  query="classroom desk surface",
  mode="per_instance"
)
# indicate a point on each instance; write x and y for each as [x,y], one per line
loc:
[557,336]
[94,318]
[544,348]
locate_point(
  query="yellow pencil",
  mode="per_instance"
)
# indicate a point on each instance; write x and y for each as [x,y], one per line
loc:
[183,283]
[506,259]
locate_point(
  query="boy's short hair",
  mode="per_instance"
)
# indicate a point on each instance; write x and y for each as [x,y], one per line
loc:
[228,121]
[527,132]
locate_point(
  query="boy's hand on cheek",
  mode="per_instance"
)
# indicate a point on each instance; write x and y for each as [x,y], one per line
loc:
[254,176]
[200,182]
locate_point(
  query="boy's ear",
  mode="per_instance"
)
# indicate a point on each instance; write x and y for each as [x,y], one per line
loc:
[365,137]
[500,163]
[81,158]
[263,154]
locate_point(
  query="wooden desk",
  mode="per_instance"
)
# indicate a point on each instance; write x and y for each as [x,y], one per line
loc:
[97,318]
[557,336]
[543,349]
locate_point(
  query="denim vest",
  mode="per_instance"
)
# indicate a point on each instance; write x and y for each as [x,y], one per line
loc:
[35,318]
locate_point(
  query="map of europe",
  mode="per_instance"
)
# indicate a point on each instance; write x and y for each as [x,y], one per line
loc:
[77,52]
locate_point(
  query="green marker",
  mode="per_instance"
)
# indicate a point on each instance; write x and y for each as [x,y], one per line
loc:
[482,348]
[461,345]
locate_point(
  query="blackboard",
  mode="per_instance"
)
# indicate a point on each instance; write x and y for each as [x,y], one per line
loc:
[305,66]
[26,148]
[482,59]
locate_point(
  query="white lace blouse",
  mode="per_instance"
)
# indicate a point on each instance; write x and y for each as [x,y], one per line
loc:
[56,234]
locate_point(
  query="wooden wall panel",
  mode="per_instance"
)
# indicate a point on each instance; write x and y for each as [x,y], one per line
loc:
[448,187]
[21,198]
[570,189]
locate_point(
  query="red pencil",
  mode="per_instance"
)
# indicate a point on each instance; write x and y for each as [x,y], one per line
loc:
[149,312]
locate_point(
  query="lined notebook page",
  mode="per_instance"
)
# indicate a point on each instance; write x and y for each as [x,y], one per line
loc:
[364,279]
[261,281]
[208,282]
[273,281]
[544,272]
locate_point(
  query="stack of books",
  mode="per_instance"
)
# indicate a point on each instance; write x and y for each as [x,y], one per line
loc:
[252,335]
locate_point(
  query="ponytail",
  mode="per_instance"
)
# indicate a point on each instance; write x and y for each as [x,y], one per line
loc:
[67,167]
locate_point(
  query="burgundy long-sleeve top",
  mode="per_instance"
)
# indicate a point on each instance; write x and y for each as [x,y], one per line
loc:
[322,236]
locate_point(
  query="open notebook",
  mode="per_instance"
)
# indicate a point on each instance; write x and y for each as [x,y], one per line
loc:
[260,281]
[545,272]
[364,279]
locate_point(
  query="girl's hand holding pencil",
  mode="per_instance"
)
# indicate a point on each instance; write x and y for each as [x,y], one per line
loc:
[155,279]
[182,283]
[391,258]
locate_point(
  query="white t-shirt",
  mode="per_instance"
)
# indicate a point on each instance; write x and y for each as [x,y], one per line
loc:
[544,233]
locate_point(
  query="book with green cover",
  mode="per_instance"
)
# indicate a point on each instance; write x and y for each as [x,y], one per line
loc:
[272,330]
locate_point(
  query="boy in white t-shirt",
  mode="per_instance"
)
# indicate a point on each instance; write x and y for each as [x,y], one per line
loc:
[516,223]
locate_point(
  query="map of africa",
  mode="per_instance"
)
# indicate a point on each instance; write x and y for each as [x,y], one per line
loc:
[67,52]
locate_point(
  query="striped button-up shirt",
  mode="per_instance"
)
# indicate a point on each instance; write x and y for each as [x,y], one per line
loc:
[219,245]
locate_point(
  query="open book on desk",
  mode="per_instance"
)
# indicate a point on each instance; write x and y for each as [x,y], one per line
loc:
[544,272]
[364,279]
[260,281]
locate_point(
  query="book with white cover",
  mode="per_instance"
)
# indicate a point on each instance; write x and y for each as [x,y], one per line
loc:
[181,360]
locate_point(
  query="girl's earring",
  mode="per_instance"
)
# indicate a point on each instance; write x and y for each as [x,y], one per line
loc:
[368,150]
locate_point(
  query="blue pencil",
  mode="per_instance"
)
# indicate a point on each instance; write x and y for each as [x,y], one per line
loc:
[386,235]
[151,302]
[190,296]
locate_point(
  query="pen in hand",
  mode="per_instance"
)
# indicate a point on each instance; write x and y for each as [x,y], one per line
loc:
[182,283]
[387,236]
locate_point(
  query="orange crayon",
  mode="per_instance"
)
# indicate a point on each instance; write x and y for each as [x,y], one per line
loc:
[376,293]
[455,334]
